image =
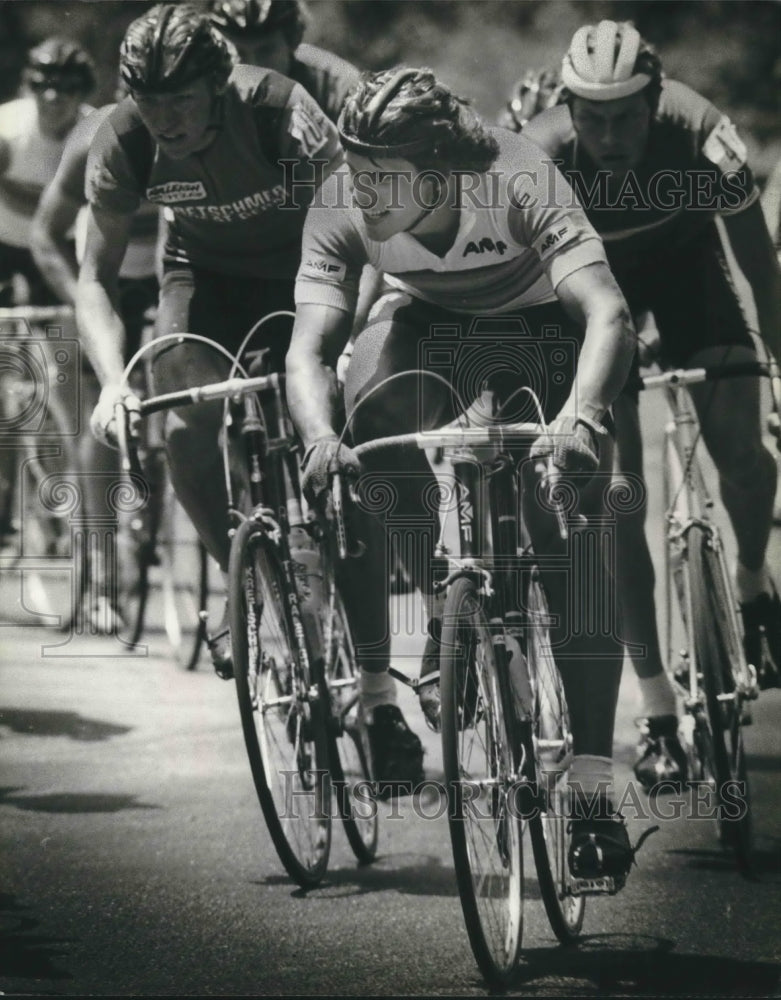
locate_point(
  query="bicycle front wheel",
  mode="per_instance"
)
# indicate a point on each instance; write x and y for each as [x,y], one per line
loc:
[348,737]
[280,708]
[552,742]
[720,660]
[485,827]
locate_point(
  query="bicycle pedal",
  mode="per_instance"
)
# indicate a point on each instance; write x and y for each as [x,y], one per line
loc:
[605,885]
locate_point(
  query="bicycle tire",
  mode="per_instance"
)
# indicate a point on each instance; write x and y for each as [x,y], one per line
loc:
[283,726]
[485,829]
[718,650]
[348,740]
[549,828]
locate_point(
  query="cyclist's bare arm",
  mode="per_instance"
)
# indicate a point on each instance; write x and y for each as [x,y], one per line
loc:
[49,242]
[753,248]
[100,325]
[17,195]
[593,299]
[319,335]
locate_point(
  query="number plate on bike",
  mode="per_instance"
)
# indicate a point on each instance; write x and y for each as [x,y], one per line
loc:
[592,886]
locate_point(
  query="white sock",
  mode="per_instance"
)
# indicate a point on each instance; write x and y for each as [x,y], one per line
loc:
[376,689]
[591,775]
[658,695]
[750,583]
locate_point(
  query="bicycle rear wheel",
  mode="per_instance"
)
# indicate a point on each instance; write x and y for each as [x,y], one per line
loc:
[720,659]
[280,709]
[480,775]
[552,742]
[347,736]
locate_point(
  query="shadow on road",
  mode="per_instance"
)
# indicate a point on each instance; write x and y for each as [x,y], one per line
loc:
[24,953]
[427,876]
[613,964]
[763,762]
[72,802]
[33,722]
[765,859]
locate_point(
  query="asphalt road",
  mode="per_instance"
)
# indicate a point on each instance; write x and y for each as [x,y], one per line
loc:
[135,861]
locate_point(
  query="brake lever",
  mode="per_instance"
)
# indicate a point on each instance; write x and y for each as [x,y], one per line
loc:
[338,507]
[126,437]
[553,478]
[337,501]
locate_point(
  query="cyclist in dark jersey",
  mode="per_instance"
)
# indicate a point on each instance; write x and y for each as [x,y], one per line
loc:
[204,140]
[664,179]
[269,33]
[480,260]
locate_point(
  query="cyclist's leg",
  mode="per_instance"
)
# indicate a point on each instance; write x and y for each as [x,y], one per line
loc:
[189,303]
[729,416]
[101,463]
[661,758]
[9,458]
[701,321]
[585,631]
[395,487]
[195,301]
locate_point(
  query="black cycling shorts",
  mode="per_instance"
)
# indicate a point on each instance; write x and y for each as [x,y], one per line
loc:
[19,260]
[224,308]
[693,299]
[447,357]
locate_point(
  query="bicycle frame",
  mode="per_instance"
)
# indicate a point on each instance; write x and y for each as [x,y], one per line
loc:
[691,506]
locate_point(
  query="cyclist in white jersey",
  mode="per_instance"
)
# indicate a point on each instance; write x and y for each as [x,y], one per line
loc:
[57,78]
[33,130]
[478,256]
[62,211]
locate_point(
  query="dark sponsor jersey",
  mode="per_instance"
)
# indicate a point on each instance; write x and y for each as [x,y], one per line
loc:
[238,206]
[514,243]
[325,76]
[693,169]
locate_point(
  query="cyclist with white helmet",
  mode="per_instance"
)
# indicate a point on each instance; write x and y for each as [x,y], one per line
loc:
[659,170]
[472,248]
[204,140]
[270,32]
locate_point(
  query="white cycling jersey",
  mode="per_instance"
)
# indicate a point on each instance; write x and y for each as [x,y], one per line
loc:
[33,160]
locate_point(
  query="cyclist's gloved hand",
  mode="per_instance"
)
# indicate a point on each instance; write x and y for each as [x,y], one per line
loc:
[323,459]
[103,420]
[572,444]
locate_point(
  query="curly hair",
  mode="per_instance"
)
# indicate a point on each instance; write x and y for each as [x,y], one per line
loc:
[171,45]
[409,113]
